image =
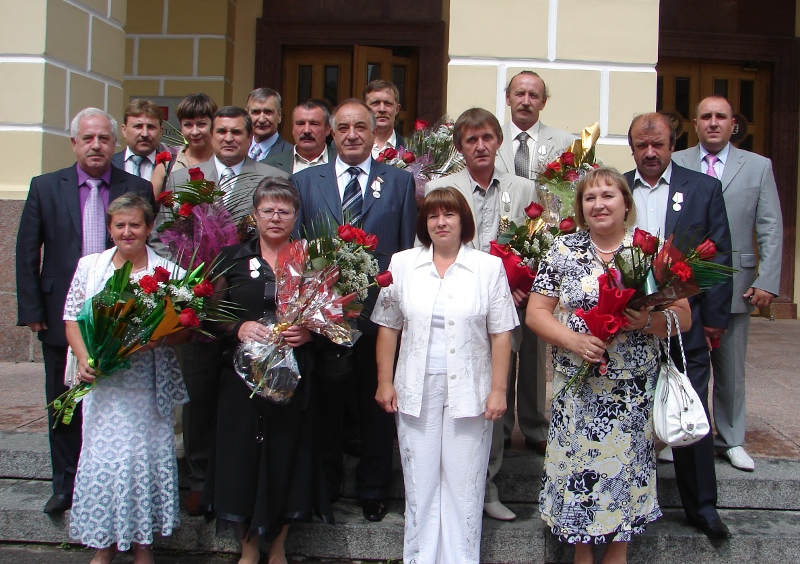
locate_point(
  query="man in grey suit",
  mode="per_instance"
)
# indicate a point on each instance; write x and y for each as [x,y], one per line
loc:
[264,108]
[50,241]
[231,132]
[491,194]
[526,95]
[751,201]
[310,129]
[379,199]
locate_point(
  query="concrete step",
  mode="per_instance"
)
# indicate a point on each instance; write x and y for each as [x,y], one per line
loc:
[774,485]
[759,535]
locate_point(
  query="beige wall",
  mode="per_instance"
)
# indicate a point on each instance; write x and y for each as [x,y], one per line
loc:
[594,67]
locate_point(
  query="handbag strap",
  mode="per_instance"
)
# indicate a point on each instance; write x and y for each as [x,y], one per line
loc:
[672,316]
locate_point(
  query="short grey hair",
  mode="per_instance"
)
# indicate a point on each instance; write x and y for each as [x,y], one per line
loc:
[91,112]
[354,102]
[276,188]
[130,201]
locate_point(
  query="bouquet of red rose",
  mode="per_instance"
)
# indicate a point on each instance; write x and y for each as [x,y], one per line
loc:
[126,315]
[306,296]
[521,248]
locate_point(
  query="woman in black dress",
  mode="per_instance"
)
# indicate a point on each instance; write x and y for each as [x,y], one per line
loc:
[266,473]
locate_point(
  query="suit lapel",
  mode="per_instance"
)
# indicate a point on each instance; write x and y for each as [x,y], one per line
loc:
[376,171]
[676,185]
[506,151]
[328,190]
[732,167]
[117,187]
[72,198]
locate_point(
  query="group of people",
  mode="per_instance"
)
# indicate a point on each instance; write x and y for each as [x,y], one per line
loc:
[471,352]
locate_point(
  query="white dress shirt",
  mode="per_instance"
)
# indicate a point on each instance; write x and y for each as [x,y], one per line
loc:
[266,146]
[145,169]
[301,163]
[390,142]
[477,303]
[651,202]
[533,139]
[237,168]
[343,177]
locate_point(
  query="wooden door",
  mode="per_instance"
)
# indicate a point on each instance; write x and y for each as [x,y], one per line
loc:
[682,84]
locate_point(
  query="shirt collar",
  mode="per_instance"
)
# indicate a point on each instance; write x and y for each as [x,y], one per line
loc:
[533,131]
[321,158]
[266,144]
[341,166]
[494,182]
[83,176]
[390,142]
[151,157]
[464,259]
[237,168]
[722,155]
[666,176]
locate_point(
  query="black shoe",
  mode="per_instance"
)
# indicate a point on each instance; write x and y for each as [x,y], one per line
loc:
[507,443]
[539,447]
[58,503]
[714,529]
[353,447]
[374,509]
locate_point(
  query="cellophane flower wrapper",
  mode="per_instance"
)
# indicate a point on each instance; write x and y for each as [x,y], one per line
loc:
[670,287]
[304,297]
[201,239]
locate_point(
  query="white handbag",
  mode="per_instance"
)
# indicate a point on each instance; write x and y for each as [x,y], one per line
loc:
[678,415]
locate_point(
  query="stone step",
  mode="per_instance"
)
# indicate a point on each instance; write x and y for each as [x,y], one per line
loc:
[759,535]
[774,485]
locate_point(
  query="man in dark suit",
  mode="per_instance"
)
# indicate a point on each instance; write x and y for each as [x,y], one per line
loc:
[264,108]
[141,130]
[383,98]
[379,199]
[53,218]
[310,129]
[672,200]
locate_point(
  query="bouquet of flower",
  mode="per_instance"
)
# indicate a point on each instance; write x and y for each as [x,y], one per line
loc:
[126,315]
[521,248]
[555,185]
[199,224]
[306,296]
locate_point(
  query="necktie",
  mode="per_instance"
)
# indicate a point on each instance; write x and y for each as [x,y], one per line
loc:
[227,174]
[522,158]
[711,159]
[352,201]
[255,152]
[137,164]
[94,229]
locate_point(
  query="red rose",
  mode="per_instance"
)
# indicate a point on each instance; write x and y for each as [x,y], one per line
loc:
[361,237]
[196,174]
[389,153]
[646,242]
[165,198]
[568,158]
[161,274]
[534,210]
[384,279]
[148,284]
[567,225]
[203,290]
[555,166]
[163,157]
[408,157]
[420,125]
[380,158]
[706,250]
[371,242]
[185,209]
[571,175]
[347,233]
[681,270]
[189,318]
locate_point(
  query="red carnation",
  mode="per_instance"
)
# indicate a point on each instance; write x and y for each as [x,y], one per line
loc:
[196,174]
[360,237]
[567,225]
[148,284]
[185,209]
[163,157]
[165,198]
[571,175]
[380,158]
[371,242]
[646,242]
[681,270]
[420,124]
[189,318]
[706,250]
[534,210]
[408,157]
[568,158]
[203,290]
[384,279]
[347,233]
[161,274]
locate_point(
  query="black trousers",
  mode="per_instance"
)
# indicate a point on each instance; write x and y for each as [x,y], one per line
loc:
[65,440]
[694,464]
[377,428]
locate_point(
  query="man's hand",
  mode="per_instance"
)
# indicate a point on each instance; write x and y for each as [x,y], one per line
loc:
[758,298]
[712,335]
[37,326]
[520,297]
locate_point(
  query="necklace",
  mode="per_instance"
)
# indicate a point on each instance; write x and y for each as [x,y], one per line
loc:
[601,251]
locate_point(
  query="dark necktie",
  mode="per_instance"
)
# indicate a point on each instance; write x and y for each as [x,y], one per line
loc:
[352,201]
[522,158]
[137,164]
[94,227]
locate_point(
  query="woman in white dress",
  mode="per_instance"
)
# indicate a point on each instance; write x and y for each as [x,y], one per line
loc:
[126,487]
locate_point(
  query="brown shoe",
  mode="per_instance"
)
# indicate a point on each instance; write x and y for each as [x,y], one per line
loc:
[193,503]
[538,447]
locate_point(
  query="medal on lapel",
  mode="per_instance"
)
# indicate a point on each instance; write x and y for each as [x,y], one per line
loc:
[678,199]
[505,197]
[376,187]
[255,267]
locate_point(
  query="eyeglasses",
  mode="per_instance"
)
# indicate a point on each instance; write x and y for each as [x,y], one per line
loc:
[283,215]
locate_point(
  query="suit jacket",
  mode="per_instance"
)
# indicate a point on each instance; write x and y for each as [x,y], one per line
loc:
[52,219]
[285,159]
[519,191]
[702,214]
[753,207]
[392,217]
[255,172]
[556,141]
[280,146]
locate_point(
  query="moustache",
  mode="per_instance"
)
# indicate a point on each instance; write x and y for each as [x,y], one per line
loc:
[307,137]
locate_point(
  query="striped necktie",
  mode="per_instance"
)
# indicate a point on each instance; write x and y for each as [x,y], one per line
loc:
[94,226]
[522,158]
[352,201]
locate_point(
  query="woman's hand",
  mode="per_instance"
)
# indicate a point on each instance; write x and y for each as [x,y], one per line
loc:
[253,331]
[386,396]
[495,405]
[587,346]
[295,336]
[86,373]
[637,318]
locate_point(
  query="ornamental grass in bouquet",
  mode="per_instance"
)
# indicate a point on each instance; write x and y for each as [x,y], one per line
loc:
[647,275]
[126,315]
[319,284]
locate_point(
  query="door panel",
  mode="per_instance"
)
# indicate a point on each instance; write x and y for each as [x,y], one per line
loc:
[397,66]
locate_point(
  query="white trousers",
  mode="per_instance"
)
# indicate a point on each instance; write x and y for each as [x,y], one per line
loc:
[444,469]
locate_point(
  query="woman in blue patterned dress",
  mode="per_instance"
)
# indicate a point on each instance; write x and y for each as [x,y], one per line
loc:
[599,480]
